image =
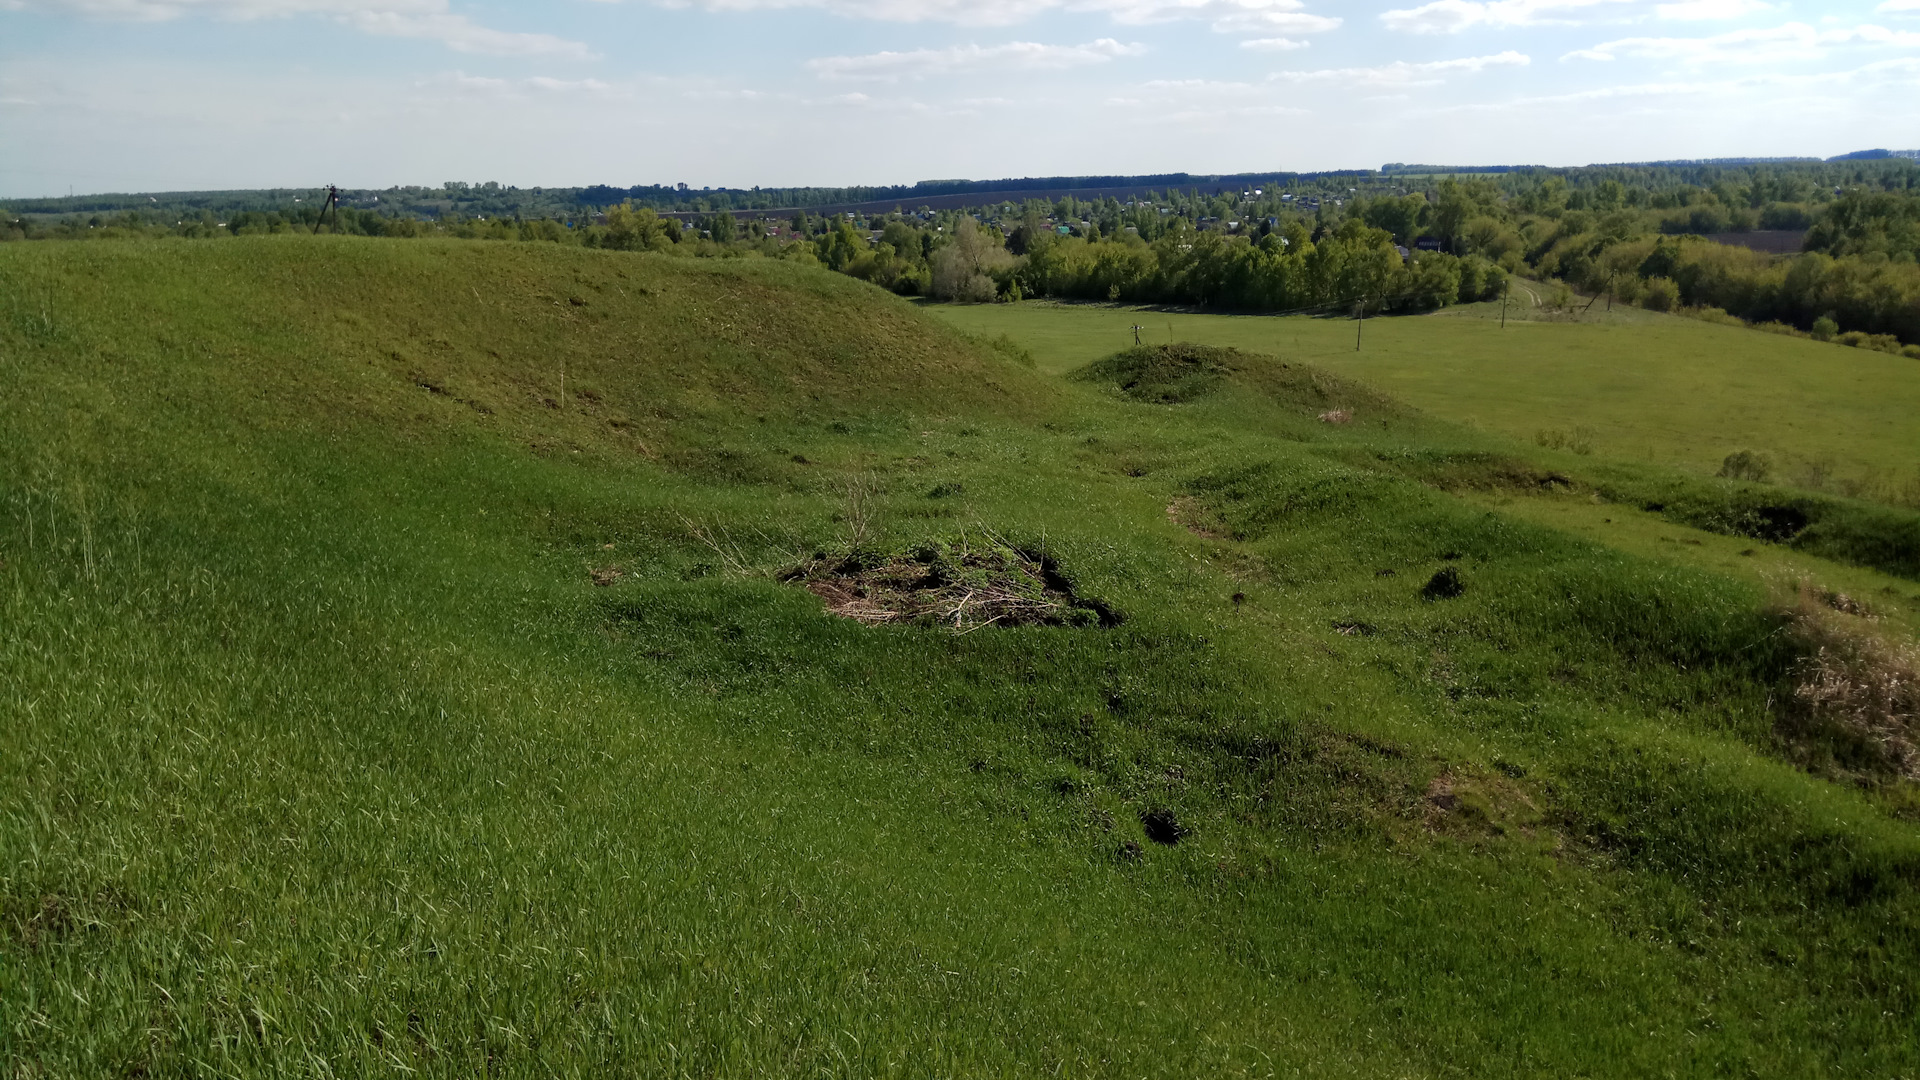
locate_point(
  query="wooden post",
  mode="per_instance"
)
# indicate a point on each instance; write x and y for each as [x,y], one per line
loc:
[333,200]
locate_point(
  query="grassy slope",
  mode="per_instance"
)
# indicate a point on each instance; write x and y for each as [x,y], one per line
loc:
[1649,387]
[320,747]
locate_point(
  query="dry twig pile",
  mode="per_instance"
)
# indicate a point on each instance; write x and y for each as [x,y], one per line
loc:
[963,586]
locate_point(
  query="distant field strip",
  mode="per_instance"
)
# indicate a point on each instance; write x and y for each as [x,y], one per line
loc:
[1648,386]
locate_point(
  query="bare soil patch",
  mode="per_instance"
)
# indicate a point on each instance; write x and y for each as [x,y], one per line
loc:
[965,587]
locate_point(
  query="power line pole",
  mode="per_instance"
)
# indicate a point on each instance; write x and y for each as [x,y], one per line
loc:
[1505,288]
[333,200]
[1360,324]
[1596,297]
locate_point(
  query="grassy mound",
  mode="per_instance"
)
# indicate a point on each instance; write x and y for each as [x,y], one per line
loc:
[371,702]
[1184,372]
[1163,374]
[555,349]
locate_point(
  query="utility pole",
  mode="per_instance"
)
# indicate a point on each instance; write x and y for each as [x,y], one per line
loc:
[1596,297]
[1360,324]
[1505,288]
[333,200]
[1136,333]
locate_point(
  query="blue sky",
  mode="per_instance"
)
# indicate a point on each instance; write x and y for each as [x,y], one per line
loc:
[119,95]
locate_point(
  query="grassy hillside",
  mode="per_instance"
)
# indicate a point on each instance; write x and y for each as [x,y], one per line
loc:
[1631,384]
[367,703]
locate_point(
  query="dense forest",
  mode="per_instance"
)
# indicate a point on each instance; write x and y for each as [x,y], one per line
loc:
[1373,242]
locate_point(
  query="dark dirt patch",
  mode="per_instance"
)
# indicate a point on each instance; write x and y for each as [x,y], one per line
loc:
[1162,826]
[1444,585]
[1775,524]
[962,586]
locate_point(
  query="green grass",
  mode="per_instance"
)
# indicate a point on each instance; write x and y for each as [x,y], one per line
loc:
[1638,386]
[321,753]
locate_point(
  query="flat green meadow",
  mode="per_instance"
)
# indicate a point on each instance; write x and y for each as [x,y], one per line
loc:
[402,670]
[1629,384]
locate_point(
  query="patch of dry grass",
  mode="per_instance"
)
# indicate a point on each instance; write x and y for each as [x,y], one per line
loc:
[1855,704]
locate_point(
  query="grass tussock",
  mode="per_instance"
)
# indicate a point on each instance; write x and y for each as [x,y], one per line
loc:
[1855,704]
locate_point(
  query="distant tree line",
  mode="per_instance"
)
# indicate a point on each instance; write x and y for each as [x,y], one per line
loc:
[1396,243]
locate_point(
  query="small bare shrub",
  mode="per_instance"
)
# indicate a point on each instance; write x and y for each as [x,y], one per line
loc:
[1336,416]
[1746,465]
[1816,474]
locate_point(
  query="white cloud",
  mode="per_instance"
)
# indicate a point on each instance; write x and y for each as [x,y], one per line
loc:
[963,12]
[1016,55]
[481,85]
[1453,16]
[1275,22]
[1402,73]
[1704,10]
[1766,45]
[1227,16]
[1742,93]
[426,19]
[1273,44]
[1207,104]
[460,34]
[1898,7]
